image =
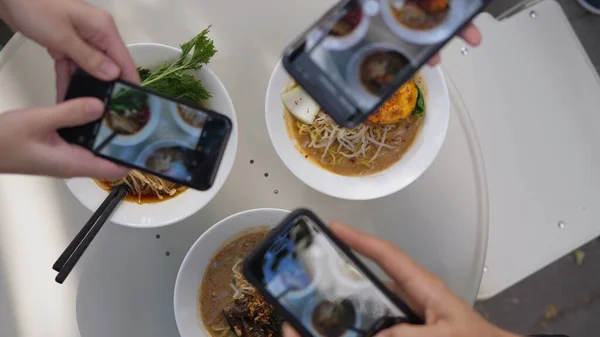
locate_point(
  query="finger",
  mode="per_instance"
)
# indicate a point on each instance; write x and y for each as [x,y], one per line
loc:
[99,28]
[63,77]
[288,331]
[434,61]
[74,161]
[90,59]
[407,330]
[71,113]
[401,293]
[415,281]
[471,35]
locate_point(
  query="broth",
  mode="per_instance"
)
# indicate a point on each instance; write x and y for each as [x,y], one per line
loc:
[216,292]
[379,69]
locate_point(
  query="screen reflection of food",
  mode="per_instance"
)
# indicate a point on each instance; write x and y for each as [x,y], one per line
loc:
[348,22]
[144,188]
[229,305]
[128,112]
[332,305]
[190,116]
[421,14]
[370,147]
[379,69]
[332,319]
[169,161]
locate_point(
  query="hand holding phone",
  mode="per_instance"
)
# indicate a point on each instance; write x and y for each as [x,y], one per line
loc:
[361,51]
[318,285]
[445,314]
[144,130]
[30,144]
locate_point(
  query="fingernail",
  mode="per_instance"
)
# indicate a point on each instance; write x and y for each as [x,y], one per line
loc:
[109,69]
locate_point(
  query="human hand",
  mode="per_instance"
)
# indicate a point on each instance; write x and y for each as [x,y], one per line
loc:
[470,34]
[75,34]
[445,315]
[30,144]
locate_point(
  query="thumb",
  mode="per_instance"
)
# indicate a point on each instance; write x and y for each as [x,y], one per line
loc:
[71,113]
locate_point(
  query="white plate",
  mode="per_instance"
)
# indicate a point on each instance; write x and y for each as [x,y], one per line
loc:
[151,55]
[191,272]
[413,163]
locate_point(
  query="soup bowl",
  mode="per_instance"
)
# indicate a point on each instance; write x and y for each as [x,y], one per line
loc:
[191,273]
[411,166]
[137,137]
[440,32]
[151,56]
[184,125]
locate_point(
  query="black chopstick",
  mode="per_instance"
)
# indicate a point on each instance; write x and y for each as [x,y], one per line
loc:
[60,262]
[65,263]
[106,141]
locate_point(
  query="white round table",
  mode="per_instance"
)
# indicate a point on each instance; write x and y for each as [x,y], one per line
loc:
[123,285]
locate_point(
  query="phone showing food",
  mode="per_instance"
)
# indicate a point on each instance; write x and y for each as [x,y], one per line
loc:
[141,129]
[360,53]
[319,286]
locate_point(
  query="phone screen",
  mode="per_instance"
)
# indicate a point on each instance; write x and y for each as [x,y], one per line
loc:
[360,52]
[140,129]
[320,286]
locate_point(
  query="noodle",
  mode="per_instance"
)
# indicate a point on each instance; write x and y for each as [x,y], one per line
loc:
[369,147]
[141,185]
[351,143]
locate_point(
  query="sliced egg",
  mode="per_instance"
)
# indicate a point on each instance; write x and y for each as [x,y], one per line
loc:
[300,105]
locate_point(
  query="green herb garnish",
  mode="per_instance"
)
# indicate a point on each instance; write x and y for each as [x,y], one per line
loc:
[128,100]
[172,80]
[144,73]
[420,107]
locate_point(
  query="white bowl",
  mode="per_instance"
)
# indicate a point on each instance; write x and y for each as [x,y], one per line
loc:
[439,33]
[138,137]
[367,99]
[152,55]
[191,130]
[412,164]
[359,32]
[148,150]
[191,272]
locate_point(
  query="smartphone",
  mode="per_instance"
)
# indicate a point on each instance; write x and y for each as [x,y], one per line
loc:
[144,130]
[318,285]
[357,55]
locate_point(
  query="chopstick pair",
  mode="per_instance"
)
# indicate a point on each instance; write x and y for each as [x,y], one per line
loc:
[67,260]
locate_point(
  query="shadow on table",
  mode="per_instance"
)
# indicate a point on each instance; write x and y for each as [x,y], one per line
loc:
[8,318]
[127,276]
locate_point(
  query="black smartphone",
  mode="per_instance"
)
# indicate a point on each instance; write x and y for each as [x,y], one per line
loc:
[318,285]
[144,130]
[357,55]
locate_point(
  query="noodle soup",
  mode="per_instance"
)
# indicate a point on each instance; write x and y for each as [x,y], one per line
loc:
[370,147]
[144,188]
[129,112]
[226,300]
